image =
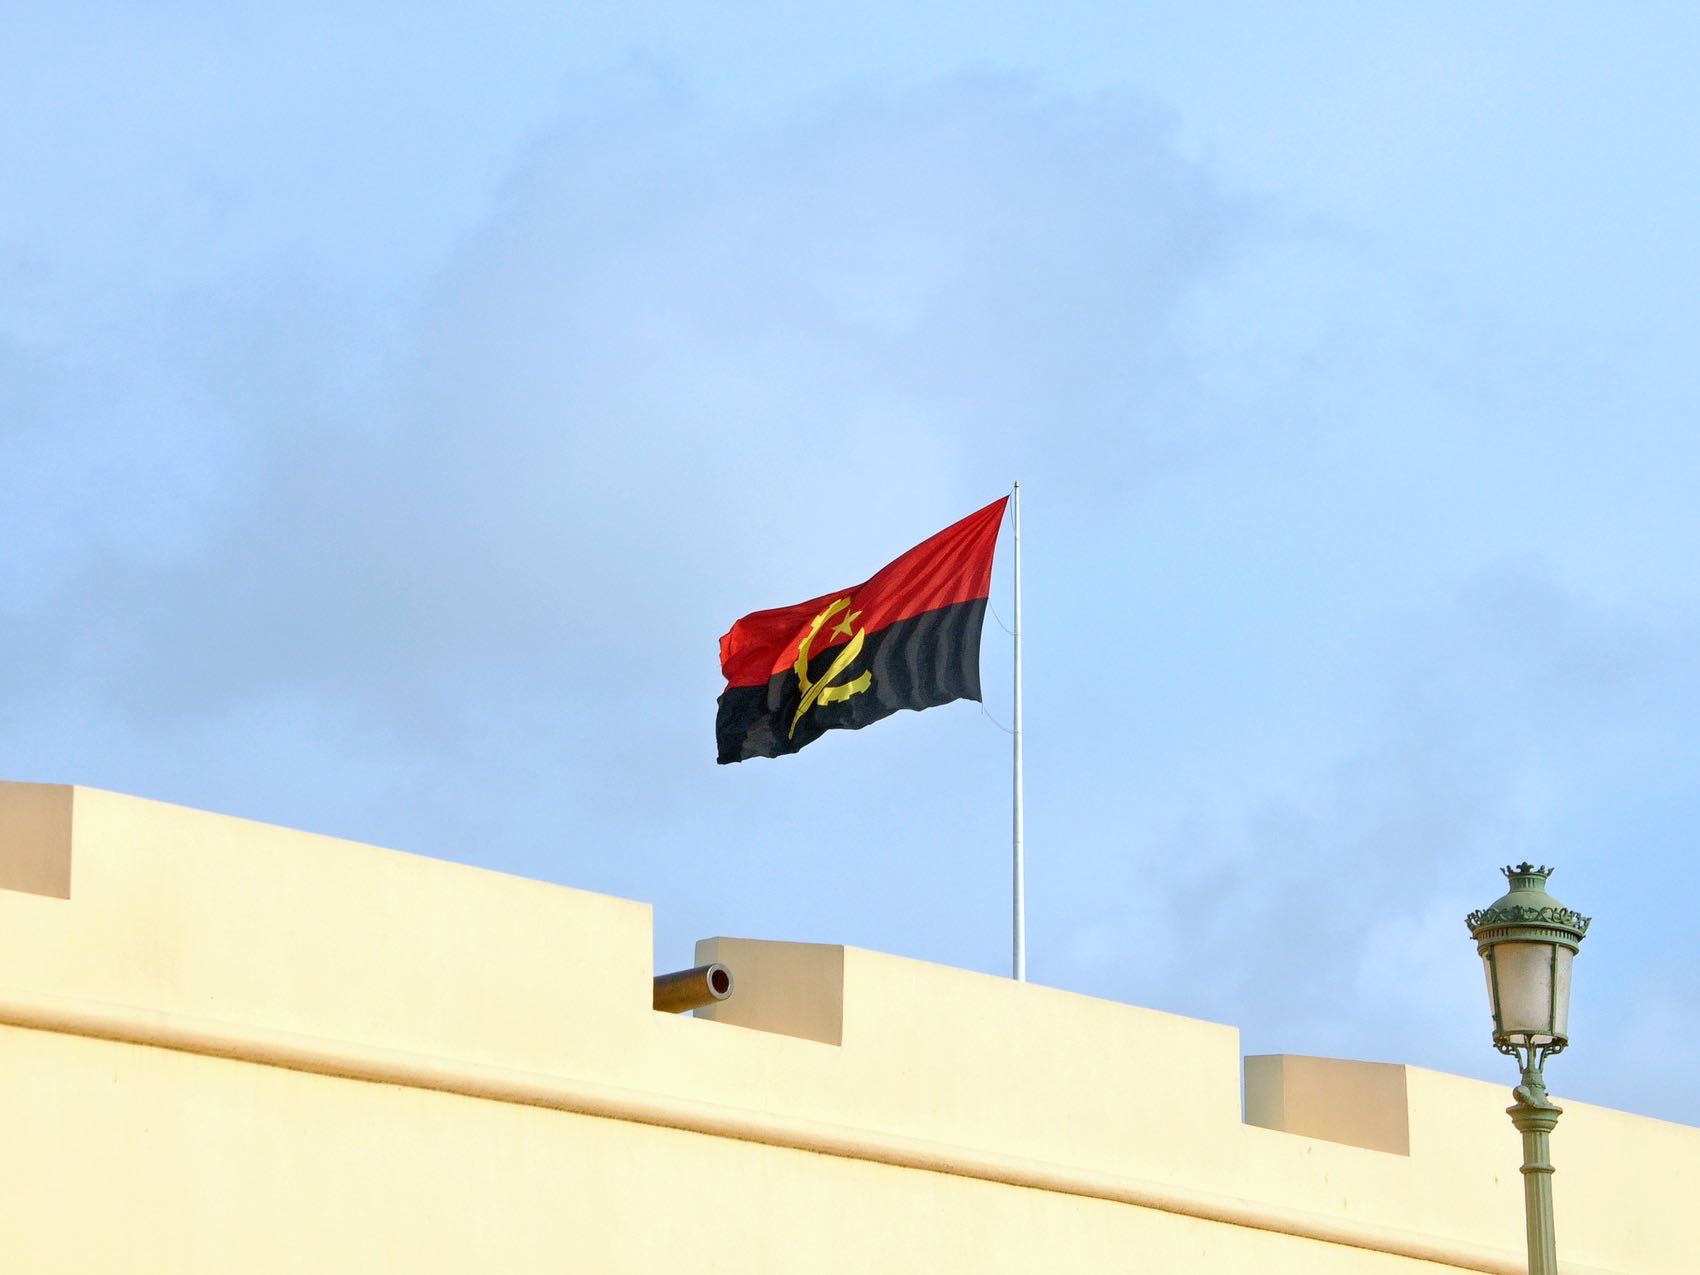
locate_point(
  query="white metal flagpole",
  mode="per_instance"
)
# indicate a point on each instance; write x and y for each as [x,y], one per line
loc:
[1020,865]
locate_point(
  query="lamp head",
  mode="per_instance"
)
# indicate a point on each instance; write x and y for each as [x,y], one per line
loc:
[1527,940]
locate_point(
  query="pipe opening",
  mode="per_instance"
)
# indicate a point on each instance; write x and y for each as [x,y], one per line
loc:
[681,992]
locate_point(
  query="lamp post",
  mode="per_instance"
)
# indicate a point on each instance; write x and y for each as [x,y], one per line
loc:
[1527,940]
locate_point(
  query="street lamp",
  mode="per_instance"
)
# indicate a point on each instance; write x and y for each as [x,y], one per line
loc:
[1527,940]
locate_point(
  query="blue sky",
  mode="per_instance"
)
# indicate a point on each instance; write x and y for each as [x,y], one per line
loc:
[398,402]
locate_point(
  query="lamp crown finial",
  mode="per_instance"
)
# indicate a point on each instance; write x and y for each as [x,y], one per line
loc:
[1526,869]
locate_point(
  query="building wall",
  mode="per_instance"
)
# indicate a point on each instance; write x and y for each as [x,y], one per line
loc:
[228,1046]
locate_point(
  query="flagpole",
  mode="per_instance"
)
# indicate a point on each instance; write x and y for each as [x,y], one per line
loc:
[1020,863]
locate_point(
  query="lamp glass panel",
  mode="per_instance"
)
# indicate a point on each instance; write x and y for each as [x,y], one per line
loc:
[1525,989]
[1487,968]
[1561,971]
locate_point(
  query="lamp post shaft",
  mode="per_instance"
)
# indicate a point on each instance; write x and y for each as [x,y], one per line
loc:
[1534,1115]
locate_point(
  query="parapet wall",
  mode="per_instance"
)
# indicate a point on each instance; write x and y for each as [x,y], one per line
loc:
[225,1045]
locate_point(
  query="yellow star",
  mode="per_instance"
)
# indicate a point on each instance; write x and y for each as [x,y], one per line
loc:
[844,625]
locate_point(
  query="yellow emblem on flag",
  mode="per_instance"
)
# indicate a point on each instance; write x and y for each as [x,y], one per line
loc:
[826,690]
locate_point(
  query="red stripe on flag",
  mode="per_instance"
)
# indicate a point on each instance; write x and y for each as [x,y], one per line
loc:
[953,566]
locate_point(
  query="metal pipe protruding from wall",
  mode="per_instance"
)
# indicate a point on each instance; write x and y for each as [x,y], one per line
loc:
[692,989]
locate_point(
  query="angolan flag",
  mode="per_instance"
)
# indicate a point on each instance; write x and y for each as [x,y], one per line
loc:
[908,637]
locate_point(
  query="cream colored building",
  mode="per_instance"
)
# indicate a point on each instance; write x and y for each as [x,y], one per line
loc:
[230,1047]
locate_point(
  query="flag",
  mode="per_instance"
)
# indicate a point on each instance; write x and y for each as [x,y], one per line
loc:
[909,637]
